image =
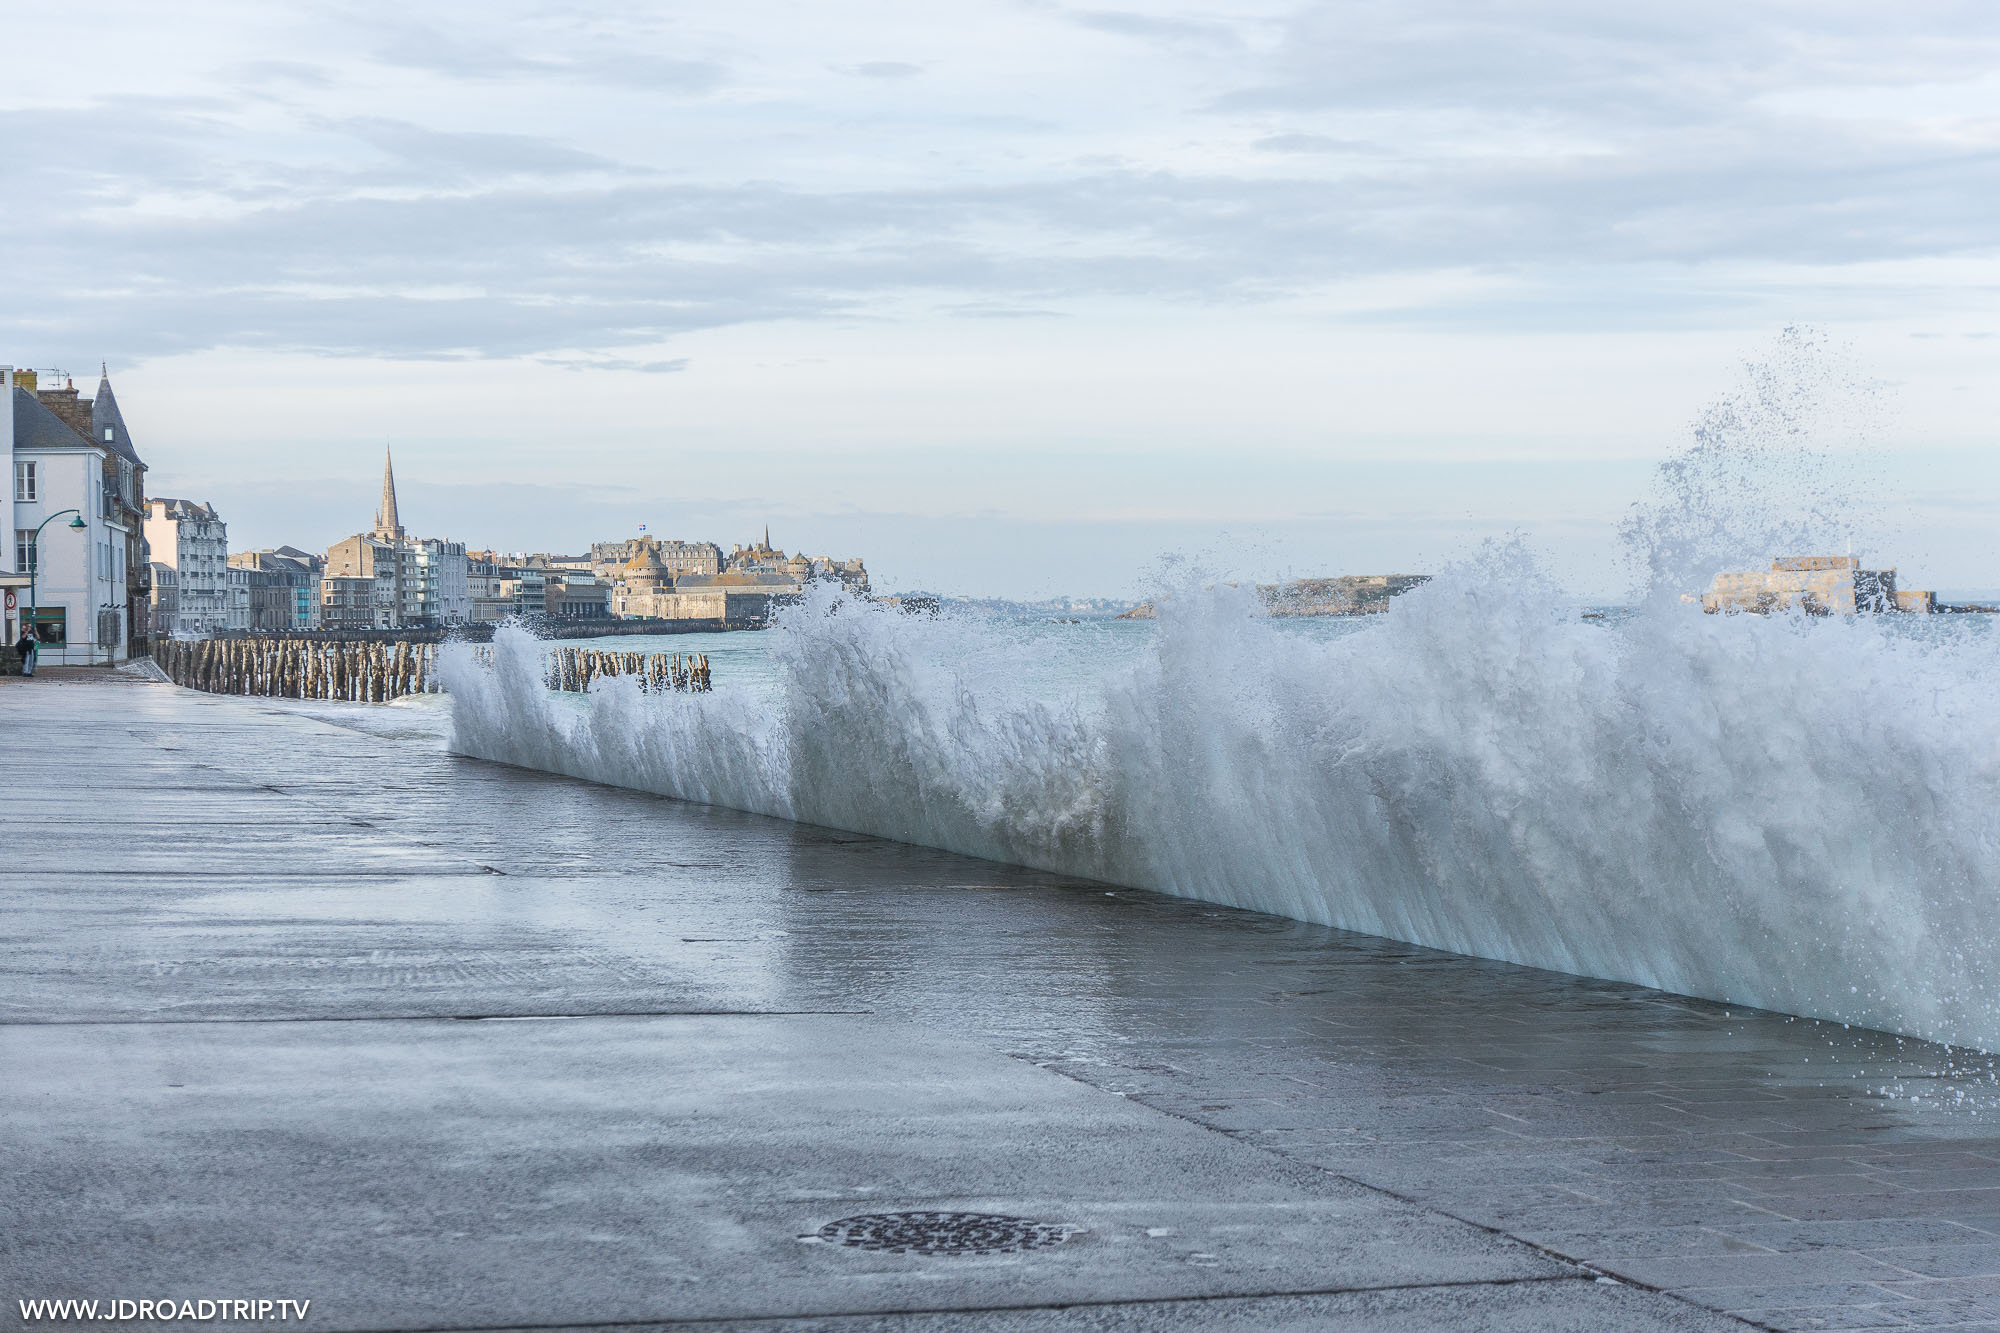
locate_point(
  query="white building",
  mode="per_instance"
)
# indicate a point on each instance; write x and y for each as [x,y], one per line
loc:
[194,541]
[444,593]
[71,453]
[236,583]
[13,579]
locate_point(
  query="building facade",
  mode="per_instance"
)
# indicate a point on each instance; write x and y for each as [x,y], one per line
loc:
[13,579]
[510,586]
[191,539]
[386,579]
[608,559]
[87,573]
[164,606]
[576,595]
[362,585]
[691,580]
[442,588]
[1817,585]
[284,587]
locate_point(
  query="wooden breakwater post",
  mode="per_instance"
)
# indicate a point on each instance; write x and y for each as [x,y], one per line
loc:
[301,668]
[373,672]
[573,669]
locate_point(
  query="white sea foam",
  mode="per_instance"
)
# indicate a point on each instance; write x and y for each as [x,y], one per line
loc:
[1801,815]
[1797,814]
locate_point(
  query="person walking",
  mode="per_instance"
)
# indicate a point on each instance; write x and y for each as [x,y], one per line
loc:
[26,648]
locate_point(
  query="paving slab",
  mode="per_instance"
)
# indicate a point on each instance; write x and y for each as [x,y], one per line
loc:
[1546,1306]
[307,906]
[421,1174]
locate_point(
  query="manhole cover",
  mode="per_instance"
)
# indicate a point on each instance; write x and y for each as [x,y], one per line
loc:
[945,1233]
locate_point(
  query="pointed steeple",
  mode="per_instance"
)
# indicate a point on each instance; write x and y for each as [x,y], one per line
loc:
[767,536]
[387,524]
[107,423]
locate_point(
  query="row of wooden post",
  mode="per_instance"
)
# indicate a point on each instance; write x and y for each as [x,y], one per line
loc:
[378,672]
[301,668]
[575,668]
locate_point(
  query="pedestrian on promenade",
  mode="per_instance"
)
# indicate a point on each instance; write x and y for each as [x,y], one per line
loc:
[26,648]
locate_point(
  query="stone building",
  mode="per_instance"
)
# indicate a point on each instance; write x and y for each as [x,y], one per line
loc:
[736,596]
[484,588]
[191,539]
[164,603]
[504,587]
[356,601]
[362,584]
[109,425]
[641,587]
[647,587]
[236,583]
[574,595]
[608,559]
[285,588]
[386,579]
[1816,584]
[764,558]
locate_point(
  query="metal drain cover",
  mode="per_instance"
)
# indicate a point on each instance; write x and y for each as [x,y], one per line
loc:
[945,1233]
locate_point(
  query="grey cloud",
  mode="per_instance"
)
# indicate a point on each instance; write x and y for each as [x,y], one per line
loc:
[599,61]
[463,156]
[426,48]
[1310,143]
[615,363]
[984,310]
[534,270]
[258,72]
[1171,31]
[886,69]
[640,70]
[1608,65]
[500,245]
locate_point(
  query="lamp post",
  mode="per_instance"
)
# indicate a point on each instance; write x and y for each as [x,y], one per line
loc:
[35,547]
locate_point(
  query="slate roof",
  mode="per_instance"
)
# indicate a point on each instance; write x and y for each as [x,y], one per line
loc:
[35,427]
[183,508]
[104,412]
[754,580]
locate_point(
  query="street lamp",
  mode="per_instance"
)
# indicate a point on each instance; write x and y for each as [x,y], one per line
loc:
[35,546]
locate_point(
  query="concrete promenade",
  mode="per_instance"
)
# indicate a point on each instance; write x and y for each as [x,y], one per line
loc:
[294,1005]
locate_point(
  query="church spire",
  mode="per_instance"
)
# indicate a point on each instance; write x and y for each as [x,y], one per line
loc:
[387,524]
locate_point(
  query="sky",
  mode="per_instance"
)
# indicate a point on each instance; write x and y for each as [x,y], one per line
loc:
[1010,298]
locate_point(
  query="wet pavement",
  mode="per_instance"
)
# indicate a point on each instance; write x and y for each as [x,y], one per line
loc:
[257,959]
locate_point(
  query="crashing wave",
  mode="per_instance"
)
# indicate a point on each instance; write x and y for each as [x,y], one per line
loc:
[1797,814]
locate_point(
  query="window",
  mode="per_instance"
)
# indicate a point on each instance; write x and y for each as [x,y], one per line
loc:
[24,550]
[111,432]
[25,483]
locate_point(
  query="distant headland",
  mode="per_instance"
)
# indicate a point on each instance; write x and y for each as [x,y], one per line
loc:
[1342,595]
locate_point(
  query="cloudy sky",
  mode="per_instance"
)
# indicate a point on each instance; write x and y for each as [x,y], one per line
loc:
[1009,297]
